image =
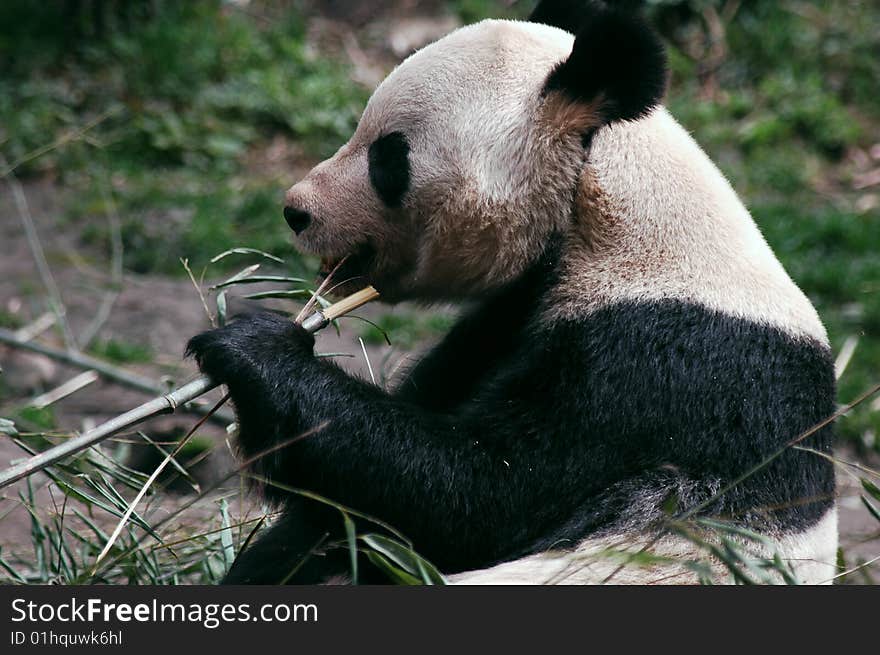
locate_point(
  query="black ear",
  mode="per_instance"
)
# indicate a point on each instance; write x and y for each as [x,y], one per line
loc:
[617,61]
[564,14]
[569,15]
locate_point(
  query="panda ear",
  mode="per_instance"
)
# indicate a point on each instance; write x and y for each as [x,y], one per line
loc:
[569,15]
[564,14]
[617,65]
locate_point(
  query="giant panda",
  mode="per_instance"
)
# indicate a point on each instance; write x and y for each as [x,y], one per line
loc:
[629,349]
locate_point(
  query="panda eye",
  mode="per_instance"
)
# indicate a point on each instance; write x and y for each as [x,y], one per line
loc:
[389,167]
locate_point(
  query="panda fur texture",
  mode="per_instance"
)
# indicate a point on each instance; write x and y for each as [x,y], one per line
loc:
[631,343]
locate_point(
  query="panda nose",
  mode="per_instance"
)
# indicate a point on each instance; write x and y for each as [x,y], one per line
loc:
[297,219]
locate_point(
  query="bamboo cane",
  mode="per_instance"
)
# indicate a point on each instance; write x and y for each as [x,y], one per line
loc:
[167,403]
[106,371]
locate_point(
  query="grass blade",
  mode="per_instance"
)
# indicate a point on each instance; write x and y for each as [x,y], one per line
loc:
[351,537]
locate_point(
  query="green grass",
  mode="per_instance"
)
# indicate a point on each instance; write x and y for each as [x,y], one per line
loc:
[43,418]
[195,541]
[196,85]
[184,98]
[471,11]
[122,352]
[168,215]
[9,320]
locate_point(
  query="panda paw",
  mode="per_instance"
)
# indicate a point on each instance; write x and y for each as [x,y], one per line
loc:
[256,350]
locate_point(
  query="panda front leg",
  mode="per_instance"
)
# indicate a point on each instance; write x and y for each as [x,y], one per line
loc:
[290,551]
[306,545]
[469,487]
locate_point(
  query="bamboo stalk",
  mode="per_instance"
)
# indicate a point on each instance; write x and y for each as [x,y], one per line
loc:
[166,403]
[62,391]
[106,371]
[83,361]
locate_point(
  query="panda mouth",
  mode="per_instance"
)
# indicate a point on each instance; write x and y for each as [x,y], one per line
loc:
[349,272]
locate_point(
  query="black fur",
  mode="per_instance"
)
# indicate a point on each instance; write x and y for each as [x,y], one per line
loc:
[617,58]
[306,545]
[570,15]
[389,167]
[567,15]
[513,436]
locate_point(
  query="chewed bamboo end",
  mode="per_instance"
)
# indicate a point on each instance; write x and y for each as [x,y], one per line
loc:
[350,303]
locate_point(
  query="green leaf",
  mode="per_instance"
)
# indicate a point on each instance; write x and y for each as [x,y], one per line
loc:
[351,537]
[238,277]
[7,427]
[873,510]
[871,488]
[254,279]
[84,497]
[99,533]
[11,571]
[226,535]
[246,251]
[396,574]
[221,308]
[293,293]
[405,557]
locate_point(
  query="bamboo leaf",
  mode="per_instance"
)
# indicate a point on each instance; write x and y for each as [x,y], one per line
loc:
[871,488]
[82,496]
[241,275]
[292,293]
[396,574]
[221,308]
[8,428]
[11,571]
[873,510]
[226,535]
[246,251]
[412,562]
[255,279]
[351,537]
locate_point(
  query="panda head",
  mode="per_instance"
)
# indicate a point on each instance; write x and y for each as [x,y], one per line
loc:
[467,157]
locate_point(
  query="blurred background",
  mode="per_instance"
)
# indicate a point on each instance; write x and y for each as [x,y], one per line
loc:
[141,139]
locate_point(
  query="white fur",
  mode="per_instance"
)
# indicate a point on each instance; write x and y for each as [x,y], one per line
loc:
[810,554]
[484,196]
[670,226]
[478,87]
[813,553]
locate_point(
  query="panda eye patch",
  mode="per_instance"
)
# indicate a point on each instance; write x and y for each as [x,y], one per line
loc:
[389,167]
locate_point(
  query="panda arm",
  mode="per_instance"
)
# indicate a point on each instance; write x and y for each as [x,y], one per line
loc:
[448,374]
[487,334]
[497,471]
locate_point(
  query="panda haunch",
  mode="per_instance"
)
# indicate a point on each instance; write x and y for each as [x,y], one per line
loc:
[632,340]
